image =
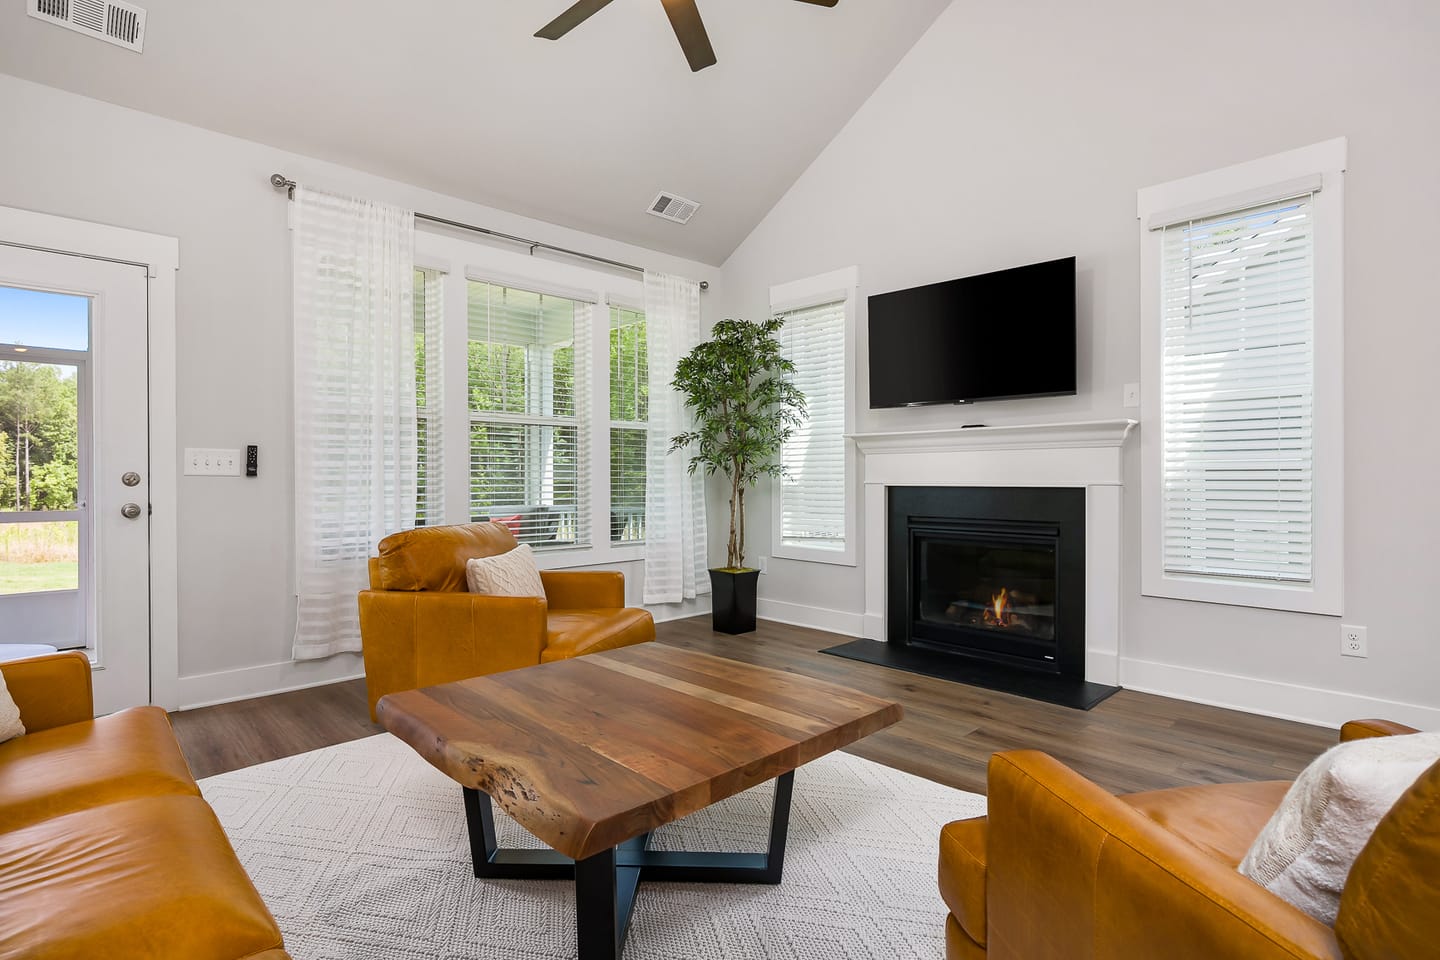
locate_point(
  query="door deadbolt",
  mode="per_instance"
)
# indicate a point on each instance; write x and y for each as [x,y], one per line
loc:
[130,478]
[130,511]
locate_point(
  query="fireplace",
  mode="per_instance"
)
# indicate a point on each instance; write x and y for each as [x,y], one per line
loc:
[1015,479]
[989,573]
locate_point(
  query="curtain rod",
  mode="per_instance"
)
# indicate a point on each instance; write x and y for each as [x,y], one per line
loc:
[280,182]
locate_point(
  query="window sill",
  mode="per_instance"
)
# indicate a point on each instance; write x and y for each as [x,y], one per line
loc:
[1297,598]
[567,558]
[840,558]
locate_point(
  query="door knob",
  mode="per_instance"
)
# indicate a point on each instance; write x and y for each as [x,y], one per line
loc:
[130,511]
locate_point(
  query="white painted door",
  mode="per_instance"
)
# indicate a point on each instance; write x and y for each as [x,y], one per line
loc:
[74,463]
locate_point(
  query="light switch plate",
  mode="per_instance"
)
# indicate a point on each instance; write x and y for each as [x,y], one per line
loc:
[1132,394]
[211,462]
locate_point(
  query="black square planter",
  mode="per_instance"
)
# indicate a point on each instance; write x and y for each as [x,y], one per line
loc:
[732,600]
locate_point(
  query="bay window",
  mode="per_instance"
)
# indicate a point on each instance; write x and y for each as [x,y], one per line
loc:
[532,389]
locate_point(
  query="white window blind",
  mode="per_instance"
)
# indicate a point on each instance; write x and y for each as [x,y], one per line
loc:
[629,418]
[429,389]
[1238,392]
[812,490]
[528,463]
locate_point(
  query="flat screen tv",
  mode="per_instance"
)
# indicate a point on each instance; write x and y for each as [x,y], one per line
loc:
[995,336]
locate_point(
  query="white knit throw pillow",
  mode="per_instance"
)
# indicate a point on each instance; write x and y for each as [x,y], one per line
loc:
[10,725]
[1305,852]
[511,574]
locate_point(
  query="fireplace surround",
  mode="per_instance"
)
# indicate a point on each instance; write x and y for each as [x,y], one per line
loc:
[1085,456]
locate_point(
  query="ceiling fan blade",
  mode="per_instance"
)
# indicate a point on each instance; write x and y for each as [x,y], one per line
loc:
[690,31]
[822,3]
[577,14]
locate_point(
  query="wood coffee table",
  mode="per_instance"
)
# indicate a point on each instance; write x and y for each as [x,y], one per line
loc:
[591,754]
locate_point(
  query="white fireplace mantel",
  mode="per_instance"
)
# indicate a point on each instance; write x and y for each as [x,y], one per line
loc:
[1073,454]
[1073,433]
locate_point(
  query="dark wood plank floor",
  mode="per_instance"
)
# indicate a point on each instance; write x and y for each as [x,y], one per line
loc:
[1132,741]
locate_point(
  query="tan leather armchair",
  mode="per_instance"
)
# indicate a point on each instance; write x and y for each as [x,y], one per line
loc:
[1063,869]
[419,627]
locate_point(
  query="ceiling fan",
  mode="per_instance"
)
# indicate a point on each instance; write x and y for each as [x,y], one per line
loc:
[684,17]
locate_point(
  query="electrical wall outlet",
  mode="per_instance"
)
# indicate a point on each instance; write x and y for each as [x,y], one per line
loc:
[1353,641]
[763,564]
[1132,395]
[209,462]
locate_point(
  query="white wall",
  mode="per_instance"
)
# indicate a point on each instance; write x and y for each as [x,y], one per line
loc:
[72,156]
[1013,133]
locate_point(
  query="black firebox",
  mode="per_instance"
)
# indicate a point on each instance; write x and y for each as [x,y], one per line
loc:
[996,573]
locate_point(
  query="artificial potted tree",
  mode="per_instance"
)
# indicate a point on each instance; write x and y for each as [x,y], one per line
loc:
[745,408]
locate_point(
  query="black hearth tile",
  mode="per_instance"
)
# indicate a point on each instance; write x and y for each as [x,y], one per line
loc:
[1045,687]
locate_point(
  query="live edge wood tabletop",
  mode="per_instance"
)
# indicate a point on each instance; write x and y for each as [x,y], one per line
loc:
[590,752]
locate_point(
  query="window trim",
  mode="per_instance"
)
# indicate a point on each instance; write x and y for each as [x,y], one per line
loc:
[843,284]
[464,259]
[1233,188]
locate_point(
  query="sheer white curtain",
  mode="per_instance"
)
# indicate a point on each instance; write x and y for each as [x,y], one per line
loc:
[355,426]
[675,555]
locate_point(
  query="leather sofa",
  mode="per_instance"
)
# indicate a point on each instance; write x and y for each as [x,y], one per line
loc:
[419,627]
[1063,869]
[106,847]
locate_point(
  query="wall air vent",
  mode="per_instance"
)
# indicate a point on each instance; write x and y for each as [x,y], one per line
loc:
[667,206]
[113,21]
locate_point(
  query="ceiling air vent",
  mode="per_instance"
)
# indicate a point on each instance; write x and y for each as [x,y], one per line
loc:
[670,207]
[122,24]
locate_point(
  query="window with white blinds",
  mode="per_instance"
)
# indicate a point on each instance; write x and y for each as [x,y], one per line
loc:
[526,367]
[429,389]
[812,508]
[1238,394]
[1242,438]
[629,422]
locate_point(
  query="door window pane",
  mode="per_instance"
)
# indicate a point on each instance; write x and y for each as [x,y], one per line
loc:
[39,556]
[39,436]
[36,318]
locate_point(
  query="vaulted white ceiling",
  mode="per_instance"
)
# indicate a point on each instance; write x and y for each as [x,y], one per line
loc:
[457,96]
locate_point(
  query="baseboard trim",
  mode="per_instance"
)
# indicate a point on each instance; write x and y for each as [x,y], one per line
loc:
[262,680]
[817,618]
[1270,698]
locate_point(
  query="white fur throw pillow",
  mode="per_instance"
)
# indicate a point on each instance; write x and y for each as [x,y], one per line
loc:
[10,725]
[511,574]
[1305,852]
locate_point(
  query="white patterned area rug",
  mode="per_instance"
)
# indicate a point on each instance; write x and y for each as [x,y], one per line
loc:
[361,852]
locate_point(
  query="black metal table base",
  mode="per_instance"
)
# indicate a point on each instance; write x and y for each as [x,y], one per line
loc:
[605,883]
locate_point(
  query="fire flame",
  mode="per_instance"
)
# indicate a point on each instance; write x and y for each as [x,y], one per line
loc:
[999,611]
